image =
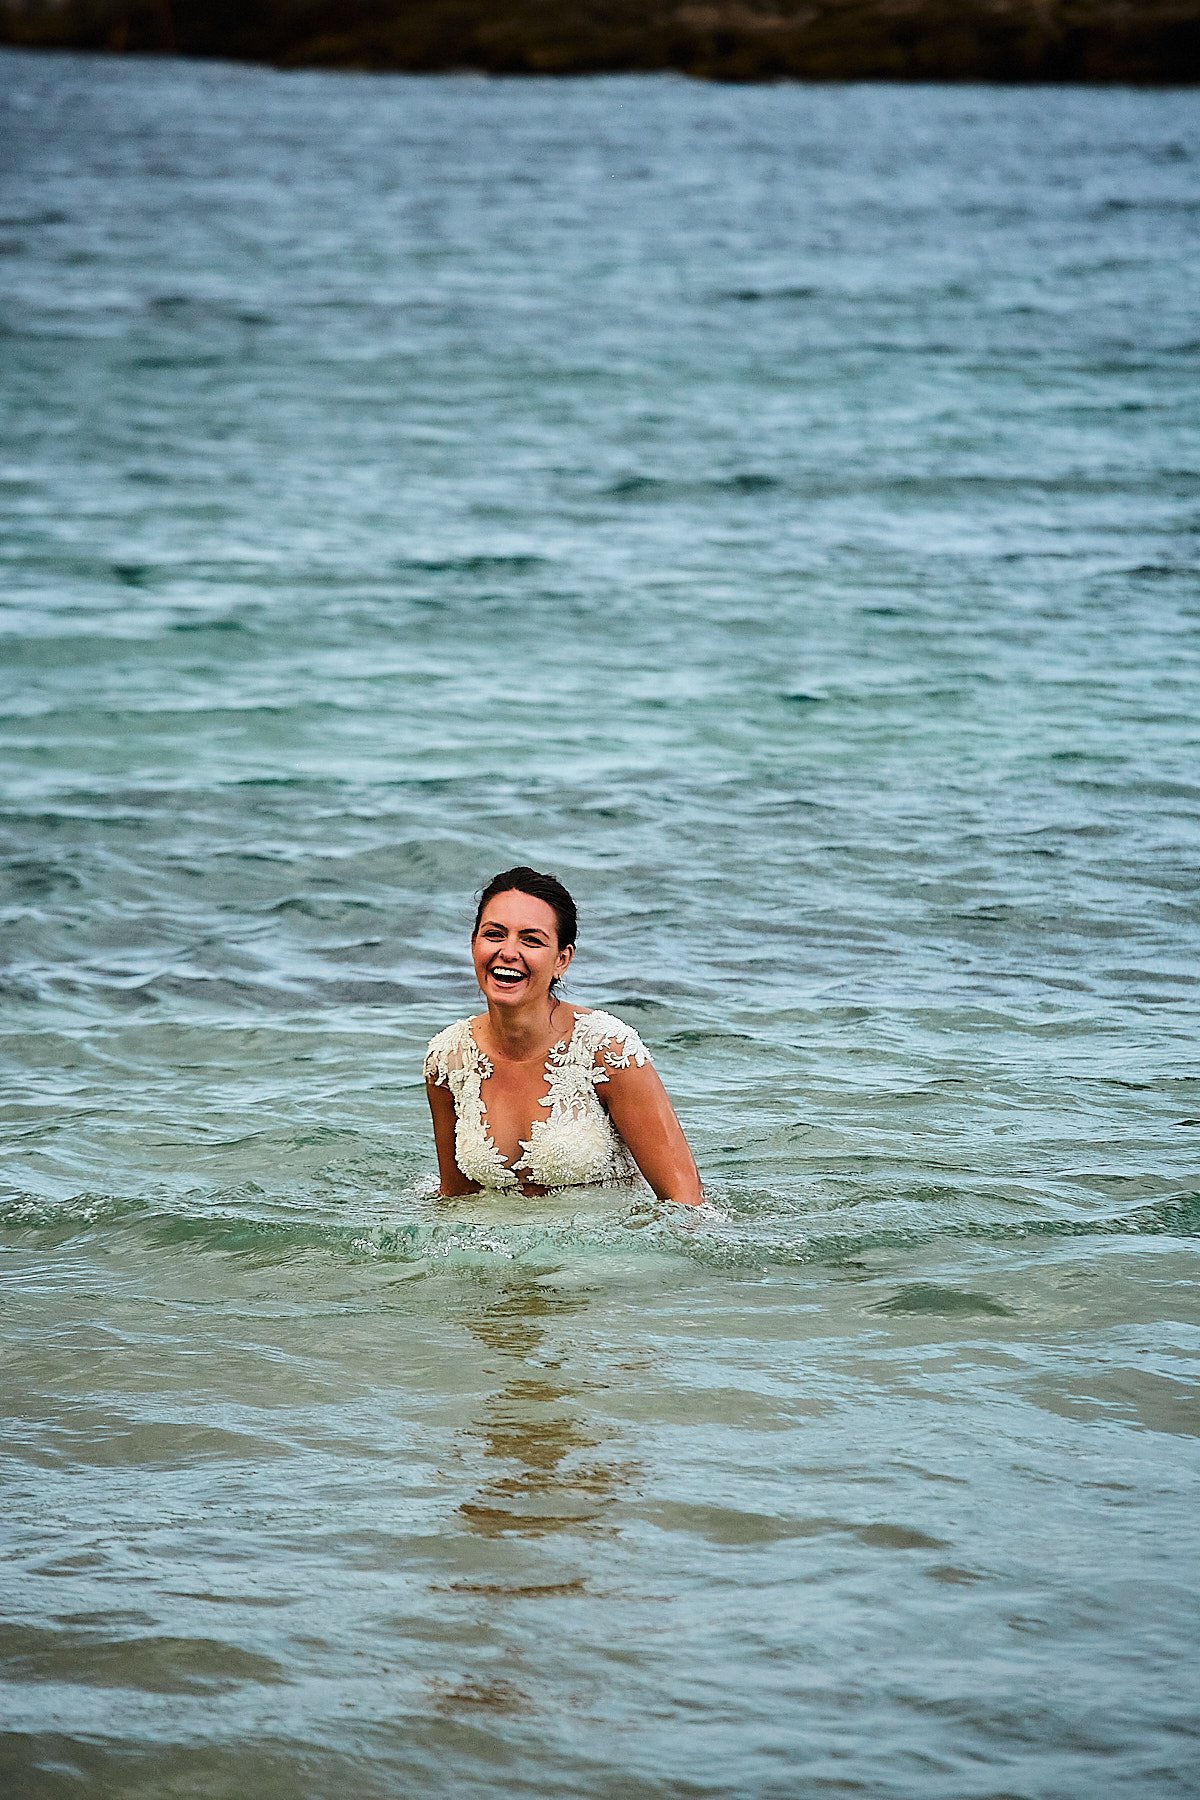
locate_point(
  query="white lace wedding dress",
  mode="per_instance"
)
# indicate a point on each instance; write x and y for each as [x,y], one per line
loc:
[577,1144]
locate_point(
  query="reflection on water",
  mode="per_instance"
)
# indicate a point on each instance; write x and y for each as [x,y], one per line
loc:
[532,1424]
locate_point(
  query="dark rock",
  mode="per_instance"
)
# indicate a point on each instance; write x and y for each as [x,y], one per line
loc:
[1131,41]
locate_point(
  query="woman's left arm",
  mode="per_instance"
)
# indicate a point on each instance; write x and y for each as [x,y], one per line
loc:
[639,1107]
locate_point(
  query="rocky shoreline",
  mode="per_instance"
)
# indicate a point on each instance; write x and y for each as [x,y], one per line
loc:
[1144,42]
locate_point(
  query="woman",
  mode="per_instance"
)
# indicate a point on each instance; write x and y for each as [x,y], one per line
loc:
[535,1094]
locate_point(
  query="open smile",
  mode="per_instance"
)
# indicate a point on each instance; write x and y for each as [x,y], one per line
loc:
[507,977]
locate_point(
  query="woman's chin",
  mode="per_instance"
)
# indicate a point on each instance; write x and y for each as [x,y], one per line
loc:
[507,994]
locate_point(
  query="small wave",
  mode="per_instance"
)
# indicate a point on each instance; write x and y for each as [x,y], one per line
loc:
[929,1300]
[48,216]
[709,1037]
[196,308]
[220,623]
[481,562]
[645,1003]
[648,487]
[1156,572]
[1143,204]
[263,991]
[591,1237]
[31,877]
[749,296]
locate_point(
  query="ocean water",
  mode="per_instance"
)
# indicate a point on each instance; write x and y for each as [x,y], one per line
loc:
[776,511]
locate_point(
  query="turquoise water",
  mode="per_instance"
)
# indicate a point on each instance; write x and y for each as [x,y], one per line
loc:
[775,510]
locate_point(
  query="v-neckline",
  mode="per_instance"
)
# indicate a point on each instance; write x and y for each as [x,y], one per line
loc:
[488,1069]
[562,1043]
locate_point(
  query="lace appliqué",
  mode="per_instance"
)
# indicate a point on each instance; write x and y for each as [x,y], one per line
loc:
[454,1060]
[576,1144]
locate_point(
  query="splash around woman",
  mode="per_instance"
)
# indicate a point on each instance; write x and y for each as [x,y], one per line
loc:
[535,1094]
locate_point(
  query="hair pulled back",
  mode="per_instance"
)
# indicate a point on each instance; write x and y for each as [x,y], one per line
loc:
[548,888]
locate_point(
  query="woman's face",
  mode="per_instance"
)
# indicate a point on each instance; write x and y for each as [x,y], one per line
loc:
[516,951]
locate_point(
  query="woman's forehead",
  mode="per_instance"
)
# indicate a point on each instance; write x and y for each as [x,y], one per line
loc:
[520,912]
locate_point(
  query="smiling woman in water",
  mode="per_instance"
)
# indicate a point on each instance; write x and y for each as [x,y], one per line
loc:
[534,1093]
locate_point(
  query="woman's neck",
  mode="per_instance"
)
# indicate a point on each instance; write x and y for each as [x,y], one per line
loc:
[520,1035]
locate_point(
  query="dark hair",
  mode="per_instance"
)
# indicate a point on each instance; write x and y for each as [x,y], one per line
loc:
[549,888]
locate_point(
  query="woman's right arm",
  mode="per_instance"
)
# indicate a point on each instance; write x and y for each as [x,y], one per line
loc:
[451,1180]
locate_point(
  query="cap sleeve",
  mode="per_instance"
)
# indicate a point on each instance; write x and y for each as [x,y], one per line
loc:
[611,1044]
[445,1053]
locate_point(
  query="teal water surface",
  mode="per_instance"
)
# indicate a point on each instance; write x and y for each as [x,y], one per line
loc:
[775,510]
